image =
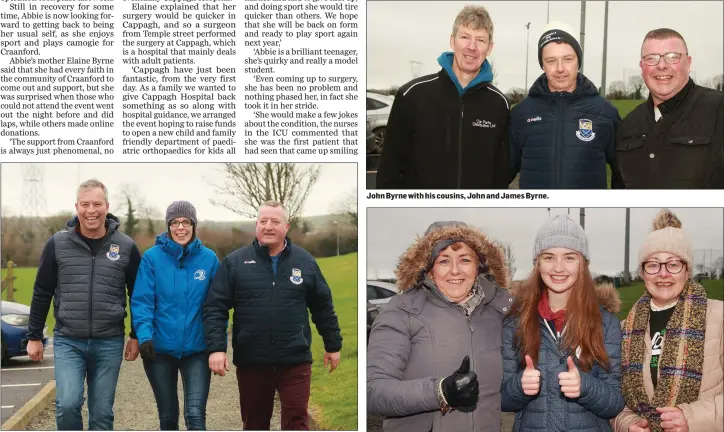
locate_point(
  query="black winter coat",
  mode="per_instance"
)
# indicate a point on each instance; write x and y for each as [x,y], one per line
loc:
[271,324]
[563,140]
[438,139]
[684,149]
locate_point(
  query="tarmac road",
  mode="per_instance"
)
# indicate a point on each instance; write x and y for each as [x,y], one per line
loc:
[22,378]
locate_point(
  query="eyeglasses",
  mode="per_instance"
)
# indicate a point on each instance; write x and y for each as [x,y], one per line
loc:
[670,58]
[186,223]
[653,267]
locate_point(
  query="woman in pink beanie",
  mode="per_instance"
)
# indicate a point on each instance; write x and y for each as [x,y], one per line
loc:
[671,351]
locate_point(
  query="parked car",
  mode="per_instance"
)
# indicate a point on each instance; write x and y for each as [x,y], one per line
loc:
[378,295]
[370,139]
[378,111]
[701,276]
[15,318]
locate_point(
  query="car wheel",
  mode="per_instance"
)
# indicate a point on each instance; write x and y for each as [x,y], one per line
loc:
[4,357]
[379,139]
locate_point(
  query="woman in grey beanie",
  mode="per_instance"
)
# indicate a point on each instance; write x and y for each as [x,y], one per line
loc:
[561,341]
[168,297]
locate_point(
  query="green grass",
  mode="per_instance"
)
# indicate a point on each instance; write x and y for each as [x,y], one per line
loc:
[25,278]
[626,106]
[630,294]
[333,401]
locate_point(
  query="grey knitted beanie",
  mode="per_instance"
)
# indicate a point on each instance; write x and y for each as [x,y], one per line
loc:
[180,209]
[561,231]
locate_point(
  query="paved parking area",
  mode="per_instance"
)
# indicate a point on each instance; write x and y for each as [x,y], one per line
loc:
[21,379]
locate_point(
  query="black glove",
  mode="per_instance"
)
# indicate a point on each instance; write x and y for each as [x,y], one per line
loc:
[147,351]
[461,388]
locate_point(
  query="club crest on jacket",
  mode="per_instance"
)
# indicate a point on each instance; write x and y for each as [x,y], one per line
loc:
[113,252]
[200,274]
[296,276]
[585,130]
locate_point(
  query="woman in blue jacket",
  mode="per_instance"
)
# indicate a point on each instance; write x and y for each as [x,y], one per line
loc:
[561,347]
[172,282]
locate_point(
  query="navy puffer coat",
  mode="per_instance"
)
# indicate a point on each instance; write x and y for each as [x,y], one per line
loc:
[550,410]
[562,140]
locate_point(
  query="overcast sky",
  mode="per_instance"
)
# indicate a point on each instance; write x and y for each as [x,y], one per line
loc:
[160,185]
[518,227]
[404,31]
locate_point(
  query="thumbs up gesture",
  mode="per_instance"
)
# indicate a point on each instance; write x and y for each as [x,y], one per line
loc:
[570,381]
[461,388]
[530,378]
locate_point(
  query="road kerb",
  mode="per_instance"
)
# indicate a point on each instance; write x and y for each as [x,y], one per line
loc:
[33,407]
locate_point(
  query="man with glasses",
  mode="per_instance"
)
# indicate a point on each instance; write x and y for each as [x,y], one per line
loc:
[675,139]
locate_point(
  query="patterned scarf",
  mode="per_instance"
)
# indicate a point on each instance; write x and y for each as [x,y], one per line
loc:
[680,363]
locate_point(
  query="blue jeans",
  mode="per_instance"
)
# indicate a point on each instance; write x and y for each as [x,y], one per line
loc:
[100,361]
[196,378]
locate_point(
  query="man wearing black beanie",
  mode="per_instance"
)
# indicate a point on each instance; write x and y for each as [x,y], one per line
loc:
[562,135]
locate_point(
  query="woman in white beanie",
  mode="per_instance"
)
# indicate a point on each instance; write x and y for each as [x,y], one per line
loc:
[561,342]
[671,351]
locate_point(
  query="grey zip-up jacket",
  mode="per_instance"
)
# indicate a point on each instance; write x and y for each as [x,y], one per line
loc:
[420,338]
[89,290]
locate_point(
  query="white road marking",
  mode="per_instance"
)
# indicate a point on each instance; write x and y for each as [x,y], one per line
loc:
[8,406]
[27,357]
[28,368]
[21,385]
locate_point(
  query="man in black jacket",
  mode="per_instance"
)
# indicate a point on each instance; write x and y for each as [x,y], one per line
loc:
[675,140]
[270,284]
[562,135]
[86,269]
[449,130]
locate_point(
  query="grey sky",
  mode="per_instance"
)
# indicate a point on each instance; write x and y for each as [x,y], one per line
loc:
[161,184]
[398,32]
[518,227]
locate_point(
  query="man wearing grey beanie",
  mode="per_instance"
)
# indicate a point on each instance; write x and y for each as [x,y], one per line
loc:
[548,149]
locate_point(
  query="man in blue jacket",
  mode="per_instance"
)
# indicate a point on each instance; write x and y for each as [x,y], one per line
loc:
[562,135]
[270,284]
[86,269]
[449,130]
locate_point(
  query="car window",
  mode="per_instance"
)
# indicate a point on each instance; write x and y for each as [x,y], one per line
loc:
[371,293]
[374,104]
[384,293]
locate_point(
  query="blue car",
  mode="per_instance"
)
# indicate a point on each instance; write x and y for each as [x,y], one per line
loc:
[15,318]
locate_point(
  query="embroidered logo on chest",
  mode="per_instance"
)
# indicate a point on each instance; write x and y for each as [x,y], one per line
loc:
[585,130]
[534,119]
[483,124]
[113,253]
[200,275]
[296,276]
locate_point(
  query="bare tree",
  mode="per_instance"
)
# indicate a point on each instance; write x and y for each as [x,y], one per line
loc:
[636,84]
[516,94]
[247,186]
[718,82]
[617,90]
[509,258]
[348,207]
[131,203]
